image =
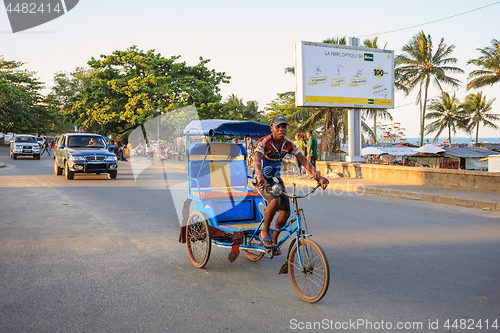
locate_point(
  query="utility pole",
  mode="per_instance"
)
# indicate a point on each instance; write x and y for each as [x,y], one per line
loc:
[354,123]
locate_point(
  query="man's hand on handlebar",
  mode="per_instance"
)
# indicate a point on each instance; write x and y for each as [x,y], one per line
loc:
[321,180]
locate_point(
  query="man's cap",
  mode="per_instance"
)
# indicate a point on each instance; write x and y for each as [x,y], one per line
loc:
[279,119]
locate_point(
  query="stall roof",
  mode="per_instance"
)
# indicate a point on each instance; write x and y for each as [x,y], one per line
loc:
[399,151]
[468,152]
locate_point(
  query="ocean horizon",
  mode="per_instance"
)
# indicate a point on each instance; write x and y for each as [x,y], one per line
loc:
[455,140]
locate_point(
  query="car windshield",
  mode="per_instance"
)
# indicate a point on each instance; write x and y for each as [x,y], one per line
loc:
[25,139]
[86,142]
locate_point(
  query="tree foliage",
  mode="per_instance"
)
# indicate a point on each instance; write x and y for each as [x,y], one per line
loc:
[234,108]
[68,85]
[128,87]
[489,61]
[448,114]
[478,109]
[22,107]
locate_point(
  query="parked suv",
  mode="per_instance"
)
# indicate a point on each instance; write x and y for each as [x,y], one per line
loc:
[83,153]
[24,145]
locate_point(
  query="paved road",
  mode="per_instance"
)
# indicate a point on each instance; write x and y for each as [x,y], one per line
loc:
[97,255]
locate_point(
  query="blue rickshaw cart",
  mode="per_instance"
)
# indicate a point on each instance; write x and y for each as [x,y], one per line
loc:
[228,211]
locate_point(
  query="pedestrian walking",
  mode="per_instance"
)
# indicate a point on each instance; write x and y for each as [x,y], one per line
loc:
[45,146]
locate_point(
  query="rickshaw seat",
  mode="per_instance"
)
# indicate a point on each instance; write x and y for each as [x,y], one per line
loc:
[224,166]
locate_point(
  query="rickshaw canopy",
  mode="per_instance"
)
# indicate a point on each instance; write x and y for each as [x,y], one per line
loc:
[210,127]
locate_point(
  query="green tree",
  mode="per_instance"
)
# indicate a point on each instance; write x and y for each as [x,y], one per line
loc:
[418,66]
[447,113]
[128,87]
[489,61]
[235,108]
[68,85]
[22,107]
[478,109]
[284,104]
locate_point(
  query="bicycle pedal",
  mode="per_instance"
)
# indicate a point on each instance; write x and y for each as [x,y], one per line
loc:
[269,253]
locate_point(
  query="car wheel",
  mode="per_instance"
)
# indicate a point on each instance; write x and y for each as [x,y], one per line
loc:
[14,156]
[67,172]
[57,169]
[36,157]
[112,174]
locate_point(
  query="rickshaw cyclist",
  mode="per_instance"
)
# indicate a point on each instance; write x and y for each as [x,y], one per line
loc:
[268,159]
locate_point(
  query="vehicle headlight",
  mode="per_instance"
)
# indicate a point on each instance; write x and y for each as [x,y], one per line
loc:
[111,158]
[76,158]
[19,147]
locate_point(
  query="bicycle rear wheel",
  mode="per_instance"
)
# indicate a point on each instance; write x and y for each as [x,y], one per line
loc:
[311,279]
[198,239]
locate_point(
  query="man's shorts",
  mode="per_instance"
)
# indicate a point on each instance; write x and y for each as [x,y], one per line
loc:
[285,201]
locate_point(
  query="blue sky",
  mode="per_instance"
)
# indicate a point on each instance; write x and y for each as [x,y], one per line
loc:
[252,41]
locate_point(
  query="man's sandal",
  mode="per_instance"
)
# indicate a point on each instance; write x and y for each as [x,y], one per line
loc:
[267,240]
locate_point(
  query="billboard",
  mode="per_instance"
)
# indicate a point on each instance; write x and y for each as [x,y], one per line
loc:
[331,75]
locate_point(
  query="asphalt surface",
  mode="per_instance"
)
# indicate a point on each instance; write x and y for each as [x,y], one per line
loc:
[99,255]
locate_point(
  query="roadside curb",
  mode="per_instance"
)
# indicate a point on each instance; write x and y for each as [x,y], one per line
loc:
[408,195]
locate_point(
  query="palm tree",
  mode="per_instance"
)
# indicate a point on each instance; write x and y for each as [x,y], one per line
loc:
[372,43]
[374,113]
[490,63]
[449,114]
[331,121]
[477,106]
[236,108]
[418,66]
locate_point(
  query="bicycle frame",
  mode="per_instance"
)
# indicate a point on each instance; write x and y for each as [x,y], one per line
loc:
[290,226]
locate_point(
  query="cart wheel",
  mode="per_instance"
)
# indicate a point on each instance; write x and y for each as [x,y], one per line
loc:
[311,279]
[198,239]
[253,255]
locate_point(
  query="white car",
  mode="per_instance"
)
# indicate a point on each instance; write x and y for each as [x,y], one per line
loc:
[24,145]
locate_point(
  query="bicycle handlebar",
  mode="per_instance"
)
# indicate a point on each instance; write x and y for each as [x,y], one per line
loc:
[276,189]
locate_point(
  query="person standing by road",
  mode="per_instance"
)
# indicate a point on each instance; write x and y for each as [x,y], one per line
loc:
[312,148]
[299,142]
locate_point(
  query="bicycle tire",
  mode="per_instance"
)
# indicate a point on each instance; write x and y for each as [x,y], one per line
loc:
[310,282]
[198,240]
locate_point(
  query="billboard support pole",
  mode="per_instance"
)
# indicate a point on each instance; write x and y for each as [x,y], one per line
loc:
[354,123]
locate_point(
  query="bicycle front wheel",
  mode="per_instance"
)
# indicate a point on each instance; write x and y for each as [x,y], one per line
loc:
[311,278]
